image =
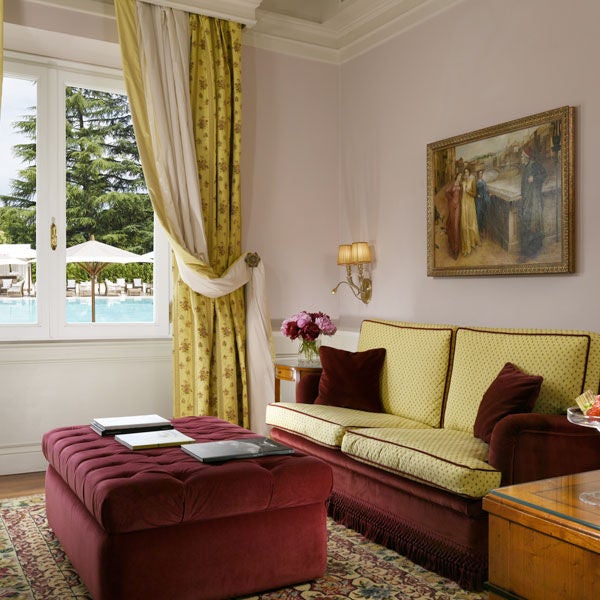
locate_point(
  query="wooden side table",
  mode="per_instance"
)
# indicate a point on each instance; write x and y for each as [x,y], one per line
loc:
[544,541]
[291,369]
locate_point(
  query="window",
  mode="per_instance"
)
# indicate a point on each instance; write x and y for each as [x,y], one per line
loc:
[70,178]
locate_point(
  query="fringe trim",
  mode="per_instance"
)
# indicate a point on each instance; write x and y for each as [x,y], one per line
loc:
[467,569]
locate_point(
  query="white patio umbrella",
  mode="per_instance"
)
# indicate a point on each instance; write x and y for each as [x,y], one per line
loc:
[92,256]
[6,259]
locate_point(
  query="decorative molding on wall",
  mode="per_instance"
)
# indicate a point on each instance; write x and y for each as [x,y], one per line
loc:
[344,33]
[54,384]
[21,458]
[356,28]
[70,353]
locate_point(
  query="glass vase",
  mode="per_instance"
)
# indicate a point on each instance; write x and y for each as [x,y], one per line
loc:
[308,352]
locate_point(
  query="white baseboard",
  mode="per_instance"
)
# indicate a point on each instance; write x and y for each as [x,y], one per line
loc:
[26,458]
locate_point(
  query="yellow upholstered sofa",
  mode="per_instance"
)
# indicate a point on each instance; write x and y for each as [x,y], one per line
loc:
[412,476]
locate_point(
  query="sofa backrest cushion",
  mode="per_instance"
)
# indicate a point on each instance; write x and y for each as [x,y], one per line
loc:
[351,379]
[416,367]
[568,361]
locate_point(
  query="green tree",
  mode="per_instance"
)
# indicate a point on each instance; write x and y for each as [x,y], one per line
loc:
[105,190]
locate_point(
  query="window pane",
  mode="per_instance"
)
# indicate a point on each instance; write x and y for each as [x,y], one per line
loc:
[110,223]
[18,201]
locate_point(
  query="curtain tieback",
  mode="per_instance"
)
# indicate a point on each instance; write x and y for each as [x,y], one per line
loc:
[252,259]
[237,275]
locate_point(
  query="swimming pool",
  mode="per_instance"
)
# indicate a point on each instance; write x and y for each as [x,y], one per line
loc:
[79,310]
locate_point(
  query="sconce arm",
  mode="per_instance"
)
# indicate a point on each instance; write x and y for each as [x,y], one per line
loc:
[364,288]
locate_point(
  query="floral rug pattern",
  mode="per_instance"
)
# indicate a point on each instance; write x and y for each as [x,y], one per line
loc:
[33,566]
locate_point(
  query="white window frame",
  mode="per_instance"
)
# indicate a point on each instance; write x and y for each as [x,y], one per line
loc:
[52,77]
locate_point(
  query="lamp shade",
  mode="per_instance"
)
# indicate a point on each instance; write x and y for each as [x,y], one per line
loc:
[361,252]
[344,254]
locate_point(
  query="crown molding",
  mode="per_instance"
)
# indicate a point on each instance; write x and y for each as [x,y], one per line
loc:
[296,37]
[383,27]
[353,29]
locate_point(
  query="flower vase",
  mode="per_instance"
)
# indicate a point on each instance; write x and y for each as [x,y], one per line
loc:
[308,353]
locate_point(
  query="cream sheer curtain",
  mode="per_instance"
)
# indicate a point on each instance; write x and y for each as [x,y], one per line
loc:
[155,48]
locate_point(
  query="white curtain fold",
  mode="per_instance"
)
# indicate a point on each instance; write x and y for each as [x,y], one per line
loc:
[163,36]
[163,42]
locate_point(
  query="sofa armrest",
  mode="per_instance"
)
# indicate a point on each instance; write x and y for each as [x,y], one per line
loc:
[307,388]
[526,447]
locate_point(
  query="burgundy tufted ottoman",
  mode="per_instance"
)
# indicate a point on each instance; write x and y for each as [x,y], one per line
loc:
[157,523]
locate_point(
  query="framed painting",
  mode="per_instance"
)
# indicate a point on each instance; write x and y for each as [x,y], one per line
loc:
[500,200]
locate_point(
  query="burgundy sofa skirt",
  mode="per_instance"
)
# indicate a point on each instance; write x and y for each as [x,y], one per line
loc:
[160,524]
[442,532]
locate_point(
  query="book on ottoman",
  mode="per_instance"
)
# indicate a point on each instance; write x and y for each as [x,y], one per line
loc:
[153,439]
[114,425]
[222,450]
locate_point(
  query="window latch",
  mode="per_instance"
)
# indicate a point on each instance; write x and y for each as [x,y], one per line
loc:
[53,235]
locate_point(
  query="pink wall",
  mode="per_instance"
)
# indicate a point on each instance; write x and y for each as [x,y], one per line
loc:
[333,154]
[290,166]
[475,65]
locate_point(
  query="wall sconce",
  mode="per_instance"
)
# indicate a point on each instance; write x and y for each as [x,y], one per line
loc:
[359,254]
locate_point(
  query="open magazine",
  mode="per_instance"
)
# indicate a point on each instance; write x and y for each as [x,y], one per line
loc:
[222,450]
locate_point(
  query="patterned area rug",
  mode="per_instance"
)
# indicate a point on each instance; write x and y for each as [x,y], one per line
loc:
[33,566]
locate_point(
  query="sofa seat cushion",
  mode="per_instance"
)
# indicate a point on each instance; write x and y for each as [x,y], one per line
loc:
[126,490]
[568,361]
[451,460]
[416,367]
[327,425]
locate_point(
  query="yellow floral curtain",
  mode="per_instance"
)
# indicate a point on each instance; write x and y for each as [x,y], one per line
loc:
[210,333]
[183,77]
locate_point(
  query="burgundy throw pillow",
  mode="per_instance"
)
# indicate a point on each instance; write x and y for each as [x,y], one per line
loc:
[510,393]
[351,379]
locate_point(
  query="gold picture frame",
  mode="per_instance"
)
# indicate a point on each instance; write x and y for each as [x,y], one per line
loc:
[500,200]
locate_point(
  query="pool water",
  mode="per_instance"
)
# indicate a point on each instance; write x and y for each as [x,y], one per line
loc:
[79,310]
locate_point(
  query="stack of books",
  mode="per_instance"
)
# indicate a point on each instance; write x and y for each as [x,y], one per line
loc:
[141,431]
[117,425]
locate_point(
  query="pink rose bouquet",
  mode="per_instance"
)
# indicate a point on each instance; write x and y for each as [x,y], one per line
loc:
[308,327]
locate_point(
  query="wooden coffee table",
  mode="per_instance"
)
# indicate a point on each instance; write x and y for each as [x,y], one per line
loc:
[544,541]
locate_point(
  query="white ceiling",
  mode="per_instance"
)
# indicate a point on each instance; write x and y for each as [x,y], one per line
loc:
[327,30]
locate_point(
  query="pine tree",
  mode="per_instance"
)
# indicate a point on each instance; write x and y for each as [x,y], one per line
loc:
[105,188]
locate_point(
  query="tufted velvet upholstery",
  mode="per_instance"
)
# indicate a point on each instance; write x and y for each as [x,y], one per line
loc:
[159,524]
[129,491]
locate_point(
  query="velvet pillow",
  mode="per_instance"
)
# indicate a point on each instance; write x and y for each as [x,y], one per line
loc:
[351,379]
[511,392]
